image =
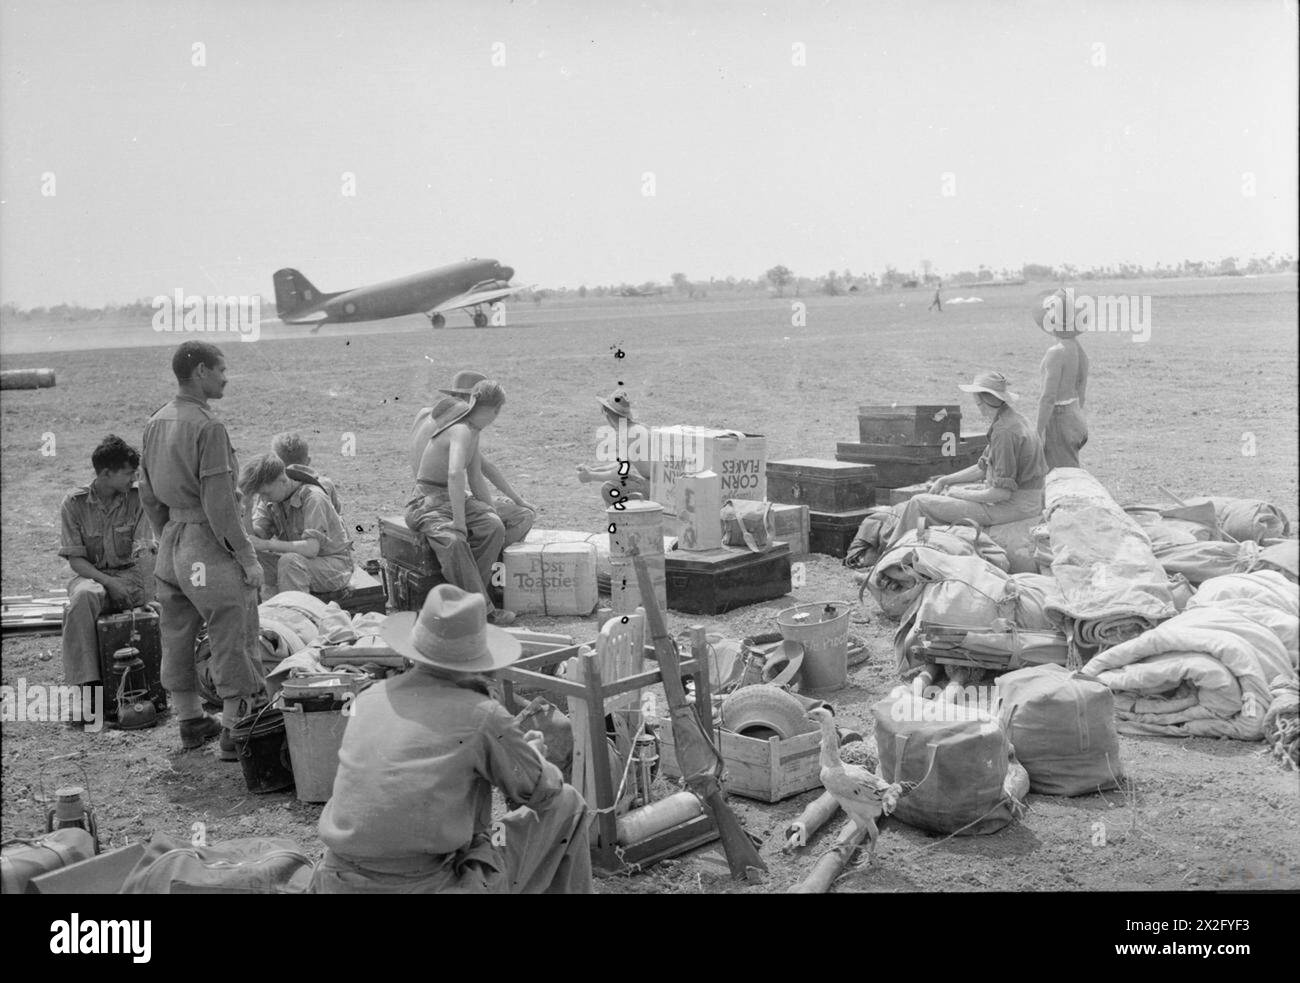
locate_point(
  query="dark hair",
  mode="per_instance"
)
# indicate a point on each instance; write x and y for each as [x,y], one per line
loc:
[260,472]
[990,400]
[114,454]
[191,355]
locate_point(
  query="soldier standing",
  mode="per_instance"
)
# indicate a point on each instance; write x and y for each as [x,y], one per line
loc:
[207,570]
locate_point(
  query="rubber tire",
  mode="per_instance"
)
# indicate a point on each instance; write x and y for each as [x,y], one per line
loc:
[765,706]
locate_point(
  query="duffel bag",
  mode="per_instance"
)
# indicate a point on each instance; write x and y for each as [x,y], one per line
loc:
[255,865]
[21,860]
[1062,727]
[747,524]
[955,765]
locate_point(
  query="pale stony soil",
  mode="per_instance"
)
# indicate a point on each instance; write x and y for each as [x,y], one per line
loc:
[1197,813]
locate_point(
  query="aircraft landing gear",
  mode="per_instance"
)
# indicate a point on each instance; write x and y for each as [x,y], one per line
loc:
[480,319]
[437,321]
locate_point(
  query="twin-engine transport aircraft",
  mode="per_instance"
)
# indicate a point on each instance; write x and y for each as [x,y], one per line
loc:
[470,284]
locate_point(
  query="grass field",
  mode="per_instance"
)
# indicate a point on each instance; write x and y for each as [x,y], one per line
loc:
[1216,381]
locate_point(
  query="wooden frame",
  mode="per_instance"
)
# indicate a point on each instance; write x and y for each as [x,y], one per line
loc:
[595,691]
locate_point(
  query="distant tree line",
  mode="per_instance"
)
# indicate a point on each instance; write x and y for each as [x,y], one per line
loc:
[780,281]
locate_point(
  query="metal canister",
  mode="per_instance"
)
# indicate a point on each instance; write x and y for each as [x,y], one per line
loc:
[647,756]
[71,809]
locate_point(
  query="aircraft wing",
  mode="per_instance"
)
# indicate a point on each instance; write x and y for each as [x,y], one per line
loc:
[475,297]
[305,318]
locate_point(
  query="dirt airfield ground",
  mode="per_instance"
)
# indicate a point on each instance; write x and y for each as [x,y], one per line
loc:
[1217,377]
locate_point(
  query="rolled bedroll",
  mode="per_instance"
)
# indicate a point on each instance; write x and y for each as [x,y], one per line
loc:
[1113,587]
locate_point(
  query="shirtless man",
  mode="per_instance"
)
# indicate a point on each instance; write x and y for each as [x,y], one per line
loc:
[1062,427]
[517,514]
[465,532]
[632,439]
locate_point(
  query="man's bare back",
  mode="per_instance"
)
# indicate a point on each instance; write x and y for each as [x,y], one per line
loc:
[435,462]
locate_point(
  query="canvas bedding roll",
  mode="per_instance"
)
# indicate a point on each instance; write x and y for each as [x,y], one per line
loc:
[895,582]
[1113,587]
[1202,673]
[1199,562]
[1247,519]
[1264,596]
[968,607]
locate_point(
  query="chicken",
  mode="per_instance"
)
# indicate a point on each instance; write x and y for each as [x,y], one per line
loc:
[860,793]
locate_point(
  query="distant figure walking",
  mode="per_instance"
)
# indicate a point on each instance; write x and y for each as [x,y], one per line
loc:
[1062,426]
[937,302]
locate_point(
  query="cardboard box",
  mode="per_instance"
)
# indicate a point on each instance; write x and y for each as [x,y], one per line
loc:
[739,459]
[552,579]
[698,508]
[768,771]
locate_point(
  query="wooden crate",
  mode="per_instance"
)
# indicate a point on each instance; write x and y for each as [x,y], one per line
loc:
[790,524]
[362,594]
[906,423]
[769,770]
[824,486]
[406,589]
[406,547]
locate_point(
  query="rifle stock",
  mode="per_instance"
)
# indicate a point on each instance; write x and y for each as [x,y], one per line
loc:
[694,749]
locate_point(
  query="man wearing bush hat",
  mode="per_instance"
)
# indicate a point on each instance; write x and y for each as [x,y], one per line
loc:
[1011,470]
[622,442]
[411,811]
[516,514]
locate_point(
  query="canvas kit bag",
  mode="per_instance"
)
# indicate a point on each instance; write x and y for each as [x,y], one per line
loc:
[747,524]
[255,865]
[1062,726]
[957,769]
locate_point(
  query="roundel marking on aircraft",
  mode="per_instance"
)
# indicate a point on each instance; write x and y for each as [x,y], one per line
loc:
[349,308]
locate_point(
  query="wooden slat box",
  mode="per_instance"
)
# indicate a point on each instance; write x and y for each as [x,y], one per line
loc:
[790,525]
[908,423]
[824,486]
[769,770]
[714,581]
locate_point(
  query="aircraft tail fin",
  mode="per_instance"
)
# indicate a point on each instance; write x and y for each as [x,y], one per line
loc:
[293,292]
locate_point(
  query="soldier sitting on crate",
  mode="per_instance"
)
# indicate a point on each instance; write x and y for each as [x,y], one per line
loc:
[516,515]
[623,441]
[464,529]
[109,544]
[290,448]
[1012,469]
[411,811]
[299,537]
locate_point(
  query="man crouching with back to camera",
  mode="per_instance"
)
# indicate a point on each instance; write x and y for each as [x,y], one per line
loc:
[411,811]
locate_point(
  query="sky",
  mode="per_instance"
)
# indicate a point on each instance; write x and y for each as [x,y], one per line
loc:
[203,144]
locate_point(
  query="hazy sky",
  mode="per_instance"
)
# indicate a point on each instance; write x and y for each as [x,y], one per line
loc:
[1088,133]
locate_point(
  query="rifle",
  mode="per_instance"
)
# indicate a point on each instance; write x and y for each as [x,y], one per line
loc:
[697,758]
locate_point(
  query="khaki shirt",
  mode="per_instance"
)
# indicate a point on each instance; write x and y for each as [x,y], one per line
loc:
[110,535]
[416,769]
[1014,458]
[306,514]
[185,442]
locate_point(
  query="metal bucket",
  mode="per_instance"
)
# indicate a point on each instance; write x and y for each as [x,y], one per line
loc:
[625,588]
[823,630]
[263,751]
